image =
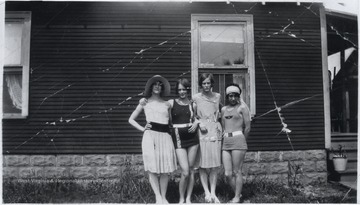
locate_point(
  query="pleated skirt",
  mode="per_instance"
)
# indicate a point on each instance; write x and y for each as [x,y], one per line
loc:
[158,152]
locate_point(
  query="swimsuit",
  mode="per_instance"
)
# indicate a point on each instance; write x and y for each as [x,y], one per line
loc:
[233,140]
[181,118]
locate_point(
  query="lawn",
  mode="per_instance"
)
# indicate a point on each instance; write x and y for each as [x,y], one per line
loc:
[132,187]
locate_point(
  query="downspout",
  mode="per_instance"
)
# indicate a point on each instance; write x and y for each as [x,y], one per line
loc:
[326,87]
[2,56]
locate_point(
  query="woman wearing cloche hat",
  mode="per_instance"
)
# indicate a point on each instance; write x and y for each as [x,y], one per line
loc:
[157,147]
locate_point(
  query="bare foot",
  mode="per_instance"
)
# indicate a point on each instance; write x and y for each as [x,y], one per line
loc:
[188,201]
[215,199]
[164,201]
[235,200]
[158,200]
[208,198]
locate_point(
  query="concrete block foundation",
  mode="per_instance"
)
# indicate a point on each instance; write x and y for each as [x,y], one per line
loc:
[305,166]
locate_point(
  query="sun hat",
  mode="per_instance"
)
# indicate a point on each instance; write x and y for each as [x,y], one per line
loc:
[154,79]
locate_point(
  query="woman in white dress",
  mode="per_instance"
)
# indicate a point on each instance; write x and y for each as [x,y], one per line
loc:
[207,111]
[157,146]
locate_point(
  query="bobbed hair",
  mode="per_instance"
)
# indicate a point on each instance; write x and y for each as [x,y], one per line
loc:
[185,82]
[203,76]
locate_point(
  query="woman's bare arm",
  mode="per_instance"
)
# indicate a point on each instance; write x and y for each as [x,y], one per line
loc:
[133,116]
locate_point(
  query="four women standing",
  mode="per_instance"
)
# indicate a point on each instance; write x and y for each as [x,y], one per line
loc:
[184,117]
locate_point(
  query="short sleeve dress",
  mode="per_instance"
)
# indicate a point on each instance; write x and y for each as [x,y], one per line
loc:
[157,147]
[210,141]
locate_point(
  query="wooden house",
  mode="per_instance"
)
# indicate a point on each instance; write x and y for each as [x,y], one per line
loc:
[75,71]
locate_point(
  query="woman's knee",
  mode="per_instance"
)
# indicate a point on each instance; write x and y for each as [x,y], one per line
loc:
[191,170]
[228,173]
[185,173]
[238,172]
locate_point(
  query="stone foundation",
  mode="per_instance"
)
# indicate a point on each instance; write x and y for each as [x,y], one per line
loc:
[306,167]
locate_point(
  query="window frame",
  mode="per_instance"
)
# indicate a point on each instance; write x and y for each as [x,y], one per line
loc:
[249,60]
[25,17]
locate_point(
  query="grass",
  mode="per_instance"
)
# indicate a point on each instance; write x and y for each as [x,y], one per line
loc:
[132,187]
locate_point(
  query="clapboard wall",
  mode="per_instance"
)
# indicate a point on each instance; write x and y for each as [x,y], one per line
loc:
[87,71]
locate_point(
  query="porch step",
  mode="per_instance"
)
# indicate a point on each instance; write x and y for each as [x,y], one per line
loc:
[350,175]
[351,164]
[350,184]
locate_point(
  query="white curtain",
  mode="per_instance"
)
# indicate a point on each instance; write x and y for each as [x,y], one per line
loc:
[13,83]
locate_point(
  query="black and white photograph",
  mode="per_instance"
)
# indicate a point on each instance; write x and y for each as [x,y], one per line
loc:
[179,101]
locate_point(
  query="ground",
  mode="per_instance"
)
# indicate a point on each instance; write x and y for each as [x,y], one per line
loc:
[136,189]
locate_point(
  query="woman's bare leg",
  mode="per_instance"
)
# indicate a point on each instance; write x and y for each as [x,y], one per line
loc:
[182,157]
[227,162]
[154,182]
[192,151]
[213,182]
[204,182]
[238,157]
[164,179]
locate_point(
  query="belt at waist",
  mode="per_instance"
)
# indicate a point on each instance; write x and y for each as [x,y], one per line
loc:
[232,134]
[159,127]
[182,125]
[207,120]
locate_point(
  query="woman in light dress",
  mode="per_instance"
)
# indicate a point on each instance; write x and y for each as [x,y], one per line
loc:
[210,135]
[157,146]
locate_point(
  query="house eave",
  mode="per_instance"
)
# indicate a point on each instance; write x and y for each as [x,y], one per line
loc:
[344,15]
[225,1]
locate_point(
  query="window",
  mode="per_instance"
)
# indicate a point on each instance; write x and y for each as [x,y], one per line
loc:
[16,64]
[224,46]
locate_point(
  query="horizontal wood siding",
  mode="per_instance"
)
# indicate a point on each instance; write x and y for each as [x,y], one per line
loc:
[90,62]
[292,61]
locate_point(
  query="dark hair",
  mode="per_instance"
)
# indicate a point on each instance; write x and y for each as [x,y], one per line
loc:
[185,82]
[233,84]
[203,76]
[162,88]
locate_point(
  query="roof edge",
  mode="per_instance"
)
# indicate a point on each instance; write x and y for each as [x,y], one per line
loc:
[341,14]
[226,1]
